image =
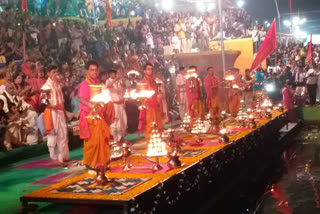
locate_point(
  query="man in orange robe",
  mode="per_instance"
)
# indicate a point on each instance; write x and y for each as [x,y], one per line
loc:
[235,93]
[193,90]
[94,132]
[211,83]
[153,111]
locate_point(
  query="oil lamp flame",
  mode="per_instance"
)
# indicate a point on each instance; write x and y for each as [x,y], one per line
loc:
[229,78]
[235,86]
[188,76]
[141,94]
[133,72]
[103,97]
[223,131]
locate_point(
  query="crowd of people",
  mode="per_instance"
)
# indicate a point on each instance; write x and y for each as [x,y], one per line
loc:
[70,45]
[301,71]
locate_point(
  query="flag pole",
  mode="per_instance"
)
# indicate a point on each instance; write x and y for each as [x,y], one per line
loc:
[279,17]
[221,38]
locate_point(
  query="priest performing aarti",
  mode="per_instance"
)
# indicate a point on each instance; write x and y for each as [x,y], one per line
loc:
[193,90]
[212,83]
[181,93]
[236,87]
[94,131]
[151,112]
[119,124]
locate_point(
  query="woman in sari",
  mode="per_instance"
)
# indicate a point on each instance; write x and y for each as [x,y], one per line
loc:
[22,90]
[15,136]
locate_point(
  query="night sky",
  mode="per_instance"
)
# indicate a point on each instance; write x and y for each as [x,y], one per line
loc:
[266,10]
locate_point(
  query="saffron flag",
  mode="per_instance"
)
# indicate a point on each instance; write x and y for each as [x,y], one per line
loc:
[267,47]
[109,13]
[290,6]
[310,52]
[24,5]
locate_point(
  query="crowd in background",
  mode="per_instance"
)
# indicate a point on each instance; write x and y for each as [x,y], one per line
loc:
[302,72]
[70,44]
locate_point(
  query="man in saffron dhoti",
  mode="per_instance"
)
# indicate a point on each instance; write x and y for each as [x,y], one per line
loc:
[58,133]
[181,93]
[193,90]
[94,132]
[119,125]
[211,83]
[153,111]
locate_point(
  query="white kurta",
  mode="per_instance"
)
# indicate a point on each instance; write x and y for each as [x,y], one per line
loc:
[58,138]
[162,96]
[119,125]
[183,103]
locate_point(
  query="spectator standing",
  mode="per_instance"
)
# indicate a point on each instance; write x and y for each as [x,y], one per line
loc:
[180,29]
[287,94]
[262,35]
[255,38]
[312,80]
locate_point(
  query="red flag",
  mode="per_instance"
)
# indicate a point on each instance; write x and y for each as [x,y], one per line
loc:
[290,6]
[24,5]
[310,52]
[267,47]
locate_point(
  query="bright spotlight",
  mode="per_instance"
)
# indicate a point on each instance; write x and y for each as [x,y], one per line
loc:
[266,22]
[270,87]
[167,5]
[302,21]
[287,23]
[240,3]
[268,25]
[211,7]
[132,13]
[296,20]
[157,4]
[201,6]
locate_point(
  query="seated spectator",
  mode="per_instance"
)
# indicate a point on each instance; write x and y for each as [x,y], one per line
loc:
[15,136]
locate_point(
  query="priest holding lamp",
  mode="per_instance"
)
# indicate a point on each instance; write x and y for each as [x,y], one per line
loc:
[93,128]
[152,113]
[193,90]
[211,83]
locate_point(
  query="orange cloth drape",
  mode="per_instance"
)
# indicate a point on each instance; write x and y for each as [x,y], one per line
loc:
[234,104]
[109,113]
[214,107]
[96,149]
[48,122]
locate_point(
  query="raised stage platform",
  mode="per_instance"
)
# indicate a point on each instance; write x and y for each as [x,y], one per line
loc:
[207,170]
[204,59]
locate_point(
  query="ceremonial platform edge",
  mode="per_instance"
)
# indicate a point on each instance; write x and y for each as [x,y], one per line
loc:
[210,173]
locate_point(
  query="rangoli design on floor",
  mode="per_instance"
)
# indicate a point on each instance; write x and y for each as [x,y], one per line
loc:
[116,186]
